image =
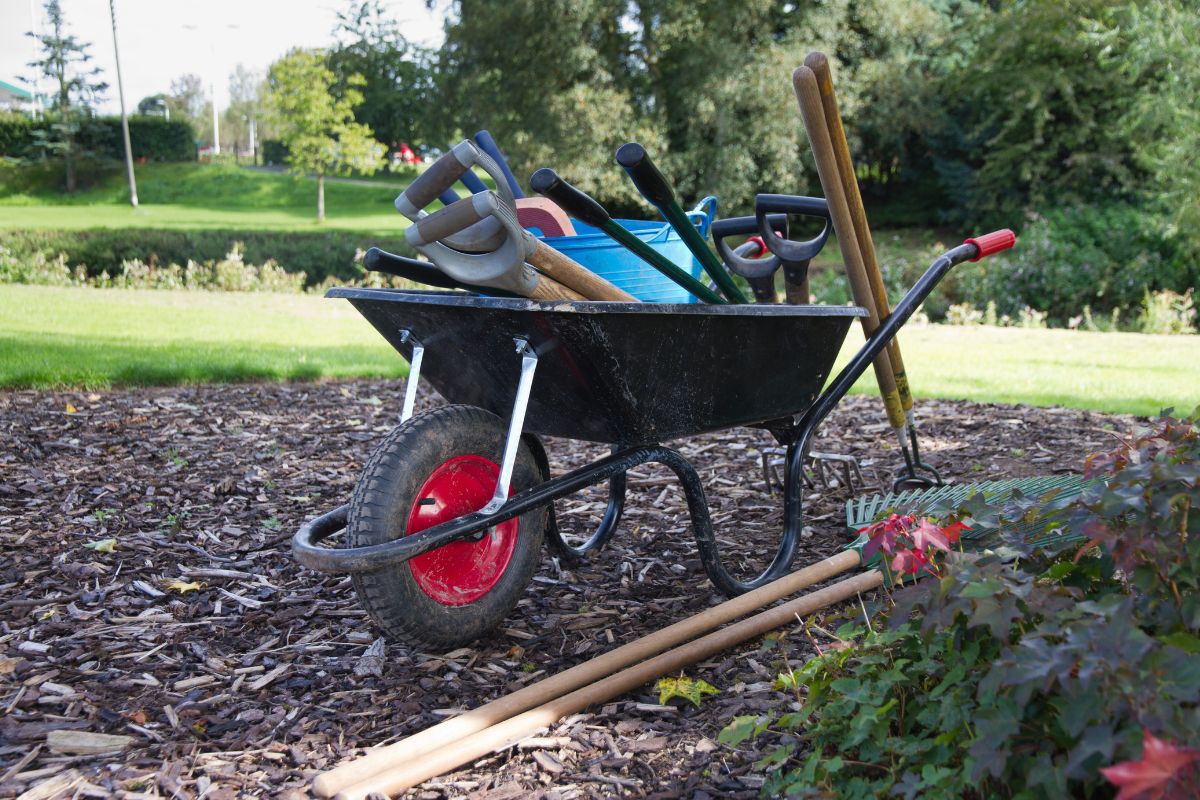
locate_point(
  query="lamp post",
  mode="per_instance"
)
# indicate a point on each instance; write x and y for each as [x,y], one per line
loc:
[212,87]
[133,198]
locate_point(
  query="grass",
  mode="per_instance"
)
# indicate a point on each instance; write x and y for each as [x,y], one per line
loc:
[56,337]
[200,196]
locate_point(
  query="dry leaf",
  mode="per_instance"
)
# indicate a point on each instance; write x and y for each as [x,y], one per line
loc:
[103,545]
[183,587]
[71,409]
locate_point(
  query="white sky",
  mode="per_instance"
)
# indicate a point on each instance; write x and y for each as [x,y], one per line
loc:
[156,47]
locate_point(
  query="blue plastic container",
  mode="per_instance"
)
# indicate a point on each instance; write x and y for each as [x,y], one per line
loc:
[595,250]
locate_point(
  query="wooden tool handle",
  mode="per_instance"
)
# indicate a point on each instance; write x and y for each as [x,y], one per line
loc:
[804,81]
[575,276]
[550,289]
[406,775]
[453,730]
[819,64]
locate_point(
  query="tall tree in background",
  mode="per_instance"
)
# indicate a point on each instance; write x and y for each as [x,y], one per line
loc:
[245,112]
[65,62]
[188,101]
[397,90]
[318,127]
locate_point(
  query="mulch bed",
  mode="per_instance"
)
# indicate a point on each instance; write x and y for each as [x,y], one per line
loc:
[247,685]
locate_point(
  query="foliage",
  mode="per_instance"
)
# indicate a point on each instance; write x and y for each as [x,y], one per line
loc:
[1168,312]
[64,62]
[315,257]
[693,691]
[152,138]
[317,127]
[397,85]
[1020,671]
[1102,257]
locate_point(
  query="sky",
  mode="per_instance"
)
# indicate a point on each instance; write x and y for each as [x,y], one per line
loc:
[157,46]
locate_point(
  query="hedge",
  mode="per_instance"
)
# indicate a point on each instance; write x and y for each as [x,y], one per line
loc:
[152,138]
[317,255]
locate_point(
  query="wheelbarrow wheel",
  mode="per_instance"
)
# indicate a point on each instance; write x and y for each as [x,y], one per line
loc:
[435,467]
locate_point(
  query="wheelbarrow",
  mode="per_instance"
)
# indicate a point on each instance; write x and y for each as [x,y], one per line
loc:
[445,526]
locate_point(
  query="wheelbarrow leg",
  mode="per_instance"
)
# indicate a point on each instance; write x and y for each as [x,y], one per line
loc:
[414,373]
[516,423]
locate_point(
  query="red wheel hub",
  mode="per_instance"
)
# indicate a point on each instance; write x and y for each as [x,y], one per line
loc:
[463,571]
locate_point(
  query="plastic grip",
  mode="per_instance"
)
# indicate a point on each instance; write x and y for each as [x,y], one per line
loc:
[470,180]
[576,203]
[646,177]
[447,197]
[994,242]
[740,226]
[488,145]
[444,222]
[791,204]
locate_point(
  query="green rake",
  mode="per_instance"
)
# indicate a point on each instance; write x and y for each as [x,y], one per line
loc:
[863,511]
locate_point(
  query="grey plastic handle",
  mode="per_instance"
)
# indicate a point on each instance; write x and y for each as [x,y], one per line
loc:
[440,176]
[502,268]
[749,268]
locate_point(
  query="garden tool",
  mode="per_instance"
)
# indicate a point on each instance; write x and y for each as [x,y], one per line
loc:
[751,259]
[519,246]
[439,177]
[488,145]
[586,209]
[654,187]
[795,256]
[468,179]
[377,260]
[819,64]
[545,215]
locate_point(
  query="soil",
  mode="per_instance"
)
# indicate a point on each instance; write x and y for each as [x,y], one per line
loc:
[238,673]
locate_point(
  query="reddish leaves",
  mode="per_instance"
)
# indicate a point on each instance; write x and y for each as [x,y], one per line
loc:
[1161,772]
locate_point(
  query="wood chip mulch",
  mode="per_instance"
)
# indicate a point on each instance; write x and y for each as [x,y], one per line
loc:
[147,593]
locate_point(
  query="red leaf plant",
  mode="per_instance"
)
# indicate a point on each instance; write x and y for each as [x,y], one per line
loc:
[913,543]
[1161,773]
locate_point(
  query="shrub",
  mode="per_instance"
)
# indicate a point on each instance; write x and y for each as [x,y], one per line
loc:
[16,133]
[1168,312]
[1103,258]
[1028,670]
[319,256]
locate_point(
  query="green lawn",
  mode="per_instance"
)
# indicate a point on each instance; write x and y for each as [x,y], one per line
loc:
[198,196]
[97,338]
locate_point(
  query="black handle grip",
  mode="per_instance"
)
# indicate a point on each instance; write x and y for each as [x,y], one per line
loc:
[377,260]
[744,226]
[791,204]
[575,202]
[646,177]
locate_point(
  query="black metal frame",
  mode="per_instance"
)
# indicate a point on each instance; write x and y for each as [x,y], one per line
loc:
[797,435]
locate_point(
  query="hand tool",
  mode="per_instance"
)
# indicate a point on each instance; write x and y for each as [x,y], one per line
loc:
[795,256]
[809,98]
[519,247]
[377,260]
[468,179]
[751,259]
[586,209]
[819,64]
[439,177]
[503,268]
[654,187]
[488,145]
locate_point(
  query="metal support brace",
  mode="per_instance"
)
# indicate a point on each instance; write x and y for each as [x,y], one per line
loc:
[414,373]
[516,424]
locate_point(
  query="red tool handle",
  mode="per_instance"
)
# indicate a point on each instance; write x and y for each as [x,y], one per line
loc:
[993,242]
[758,242]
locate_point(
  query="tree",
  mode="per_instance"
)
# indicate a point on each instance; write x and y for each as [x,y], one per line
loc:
[398,89]
[245,111]
[317,127]
[154,105]
[188,101]
[64,61]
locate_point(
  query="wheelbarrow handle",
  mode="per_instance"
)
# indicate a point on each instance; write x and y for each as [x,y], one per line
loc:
[413,269]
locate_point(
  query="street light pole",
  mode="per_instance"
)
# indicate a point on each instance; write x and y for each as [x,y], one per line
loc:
[133,198]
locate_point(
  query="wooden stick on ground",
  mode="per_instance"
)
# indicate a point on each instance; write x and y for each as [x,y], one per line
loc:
[415,771]
[808,95]
[452,730]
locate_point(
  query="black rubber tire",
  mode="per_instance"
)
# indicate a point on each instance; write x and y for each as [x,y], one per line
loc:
[379,511]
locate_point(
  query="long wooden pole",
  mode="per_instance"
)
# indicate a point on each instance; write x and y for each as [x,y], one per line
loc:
[415,771]
[452,730]
[808,95]
[819,64]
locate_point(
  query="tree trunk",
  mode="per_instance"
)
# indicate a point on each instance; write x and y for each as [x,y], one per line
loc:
[320,197]
[69,163]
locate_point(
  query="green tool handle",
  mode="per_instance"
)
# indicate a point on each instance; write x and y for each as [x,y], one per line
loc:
[654,187]
[586,209]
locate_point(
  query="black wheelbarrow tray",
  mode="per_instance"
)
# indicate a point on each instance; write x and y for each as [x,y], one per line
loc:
[446,523]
